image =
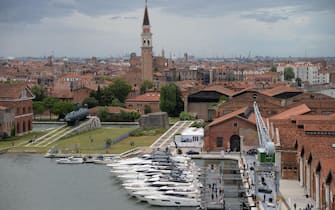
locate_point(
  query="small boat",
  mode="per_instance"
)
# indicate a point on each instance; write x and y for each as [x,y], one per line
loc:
[106,160]
[70,160]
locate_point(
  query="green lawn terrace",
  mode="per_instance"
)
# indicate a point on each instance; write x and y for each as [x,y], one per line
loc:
[90,142]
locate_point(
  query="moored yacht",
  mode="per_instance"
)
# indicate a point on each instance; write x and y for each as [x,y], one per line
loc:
[70,160]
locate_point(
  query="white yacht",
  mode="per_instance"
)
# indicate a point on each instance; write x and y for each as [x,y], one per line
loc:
[173,200]
[70,160]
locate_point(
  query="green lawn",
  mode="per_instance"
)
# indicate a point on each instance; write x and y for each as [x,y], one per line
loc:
[16,141]
[89,142]
[173,120]
[82,143]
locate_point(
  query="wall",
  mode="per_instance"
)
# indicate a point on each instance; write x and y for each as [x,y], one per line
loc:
[227,129]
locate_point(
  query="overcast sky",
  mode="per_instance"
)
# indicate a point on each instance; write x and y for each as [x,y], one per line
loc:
[204,28]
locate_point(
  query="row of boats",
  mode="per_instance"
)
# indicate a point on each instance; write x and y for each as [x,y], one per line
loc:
[89,159]
[160,179]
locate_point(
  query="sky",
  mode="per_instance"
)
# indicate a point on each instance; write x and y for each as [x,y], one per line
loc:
[203,28]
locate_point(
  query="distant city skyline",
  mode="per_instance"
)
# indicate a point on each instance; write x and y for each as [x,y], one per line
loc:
[216,28]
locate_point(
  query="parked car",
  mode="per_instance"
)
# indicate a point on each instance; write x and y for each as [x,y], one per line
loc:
[192,152]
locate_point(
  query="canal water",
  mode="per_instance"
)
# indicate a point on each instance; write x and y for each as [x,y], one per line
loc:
[32,182]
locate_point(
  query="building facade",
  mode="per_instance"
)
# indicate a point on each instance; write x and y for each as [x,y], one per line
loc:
[19,98]
[7,121]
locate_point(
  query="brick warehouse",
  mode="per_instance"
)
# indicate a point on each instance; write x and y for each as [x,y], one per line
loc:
[307,147]
[19,98]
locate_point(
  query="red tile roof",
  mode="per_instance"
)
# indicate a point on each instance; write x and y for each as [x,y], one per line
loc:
[297,110]
[220,89]
[13,91]
[280,89]
[328,165]
[146,97]
[229,115]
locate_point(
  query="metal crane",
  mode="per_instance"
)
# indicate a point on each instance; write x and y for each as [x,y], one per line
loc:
[266,152]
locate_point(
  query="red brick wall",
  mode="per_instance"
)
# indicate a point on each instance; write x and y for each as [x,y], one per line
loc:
[23,114]
[226,130]
[139,106]
[80,94]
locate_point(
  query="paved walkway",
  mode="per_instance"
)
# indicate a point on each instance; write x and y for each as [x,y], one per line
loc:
[165,140]
[292,193]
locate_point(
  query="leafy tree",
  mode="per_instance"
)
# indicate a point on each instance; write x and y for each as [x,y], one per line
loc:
[298,81]
[103,114]
[171,100]
[288,73]
[117,102]
[147,109]
[97,95]
[273,69]
[119,89]
[38,107]
[61,108]
[49,102]
[145,86]
[39,92]
[91,102]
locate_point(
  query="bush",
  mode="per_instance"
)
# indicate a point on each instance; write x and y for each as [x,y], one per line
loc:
[185,116]
[199,124]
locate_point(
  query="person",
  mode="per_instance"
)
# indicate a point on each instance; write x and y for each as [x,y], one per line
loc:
[295,206]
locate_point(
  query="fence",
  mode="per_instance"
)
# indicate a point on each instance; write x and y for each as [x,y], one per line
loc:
[122,136]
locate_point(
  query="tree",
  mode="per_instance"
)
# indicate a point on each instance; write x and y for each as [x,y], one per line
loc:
[145,86]
[120,89]
[288,73]
[49,102]
[97,95]
[39,92]
[91,102]
[38,107]
[273,69]
[147,109]
[117,102]
[171,100]
[61,108]
[298,81]
[103,114]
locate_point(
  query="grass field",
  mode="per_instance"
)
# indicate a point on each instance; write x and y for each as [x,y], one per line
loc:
[16,141]
[90,142]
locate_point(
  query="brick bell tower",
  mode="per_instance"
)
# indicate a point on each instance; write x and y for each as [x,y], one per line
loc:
[146,57]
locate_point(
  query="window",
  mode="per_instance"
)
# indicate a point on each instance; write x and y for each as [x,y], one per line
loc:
[219,141]
[301,126]
[235,124]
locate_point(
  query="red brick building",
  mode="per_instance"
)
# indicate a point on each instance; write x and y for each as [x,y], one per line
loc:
[227,132]
[307,146]
[7,121]
[19,98]
[138,103]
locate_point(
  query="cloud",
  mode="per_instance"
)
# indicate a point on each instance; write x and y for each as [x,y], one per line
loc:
[269,15]
[32,11]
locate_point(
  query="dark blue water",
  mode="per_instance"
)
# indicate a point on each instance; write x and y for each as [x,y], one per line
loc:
[32,182]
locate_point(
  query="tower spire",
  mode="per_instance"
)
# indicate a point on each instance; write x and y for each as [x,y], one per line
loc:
[146,21]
